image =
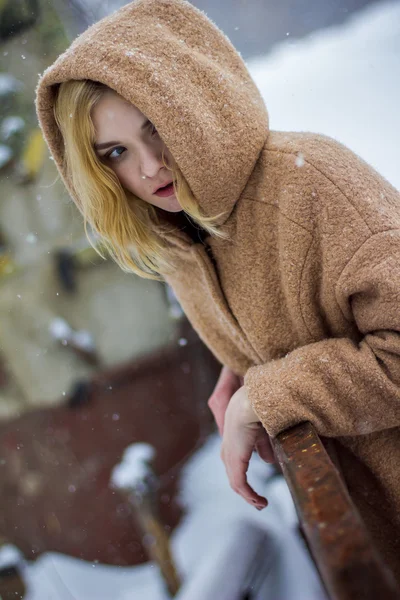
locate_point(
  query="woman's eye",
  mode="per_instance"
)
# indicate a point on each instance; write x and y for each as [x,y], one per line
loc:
[153,130]
[116,152]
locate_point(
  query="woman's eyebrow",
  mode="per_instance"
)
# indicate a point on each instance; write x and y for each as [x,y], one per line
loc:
[105,145]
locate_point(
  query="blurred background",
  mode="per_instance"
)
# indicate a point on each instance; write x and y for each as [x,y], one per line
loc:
[93,359]
[48,283]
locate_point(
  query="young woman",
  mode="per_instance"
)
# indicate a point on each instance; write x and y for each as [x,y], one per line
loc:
[283,248]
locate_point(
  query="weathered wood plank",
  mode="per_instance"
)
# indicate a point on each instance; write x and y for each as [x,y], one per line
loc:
[340,544]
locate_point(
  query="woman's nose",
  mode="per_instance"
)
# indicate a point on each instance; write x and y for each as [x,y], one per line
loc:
[150,163]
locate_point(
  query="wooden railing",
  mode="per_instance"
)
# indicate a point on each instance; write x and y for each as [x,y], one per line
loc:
[349,565]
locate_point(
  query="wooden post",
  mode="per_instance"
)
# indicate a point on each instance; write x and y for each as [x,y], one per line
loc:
[135,478]
[155,539]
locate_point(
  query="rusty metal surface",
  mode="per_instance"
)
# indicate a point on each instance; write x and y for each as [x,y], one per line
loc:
[343,551]
[55,463]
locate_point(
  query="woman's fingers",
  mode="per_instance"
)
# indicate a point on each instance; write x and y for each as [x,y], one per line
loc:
[218,403]
[228,383]
[238,480]
[242,432]
[237,448]
[264,447]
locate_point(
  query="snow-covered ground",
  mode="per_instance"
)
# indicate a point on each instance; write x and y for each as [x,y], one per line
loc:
[343,82]
[216,517]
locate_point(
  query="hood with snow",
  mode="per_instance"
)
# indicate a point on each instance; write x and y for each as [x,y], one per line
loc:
[183,74]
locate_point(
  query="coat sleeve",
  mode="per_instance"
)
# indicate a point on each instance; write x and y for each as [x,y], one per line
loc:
[344,388]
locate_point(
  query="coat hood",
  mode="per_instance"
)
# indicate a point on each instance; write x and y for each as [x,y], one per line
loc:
[183,74]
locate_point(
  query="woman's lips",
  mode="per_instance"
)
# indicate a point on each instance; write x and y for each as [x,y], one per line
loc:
[166,191]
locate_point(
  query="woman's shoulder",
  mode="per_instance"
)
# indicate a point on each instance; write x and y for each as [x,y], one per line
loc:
[320,151]
[339,180]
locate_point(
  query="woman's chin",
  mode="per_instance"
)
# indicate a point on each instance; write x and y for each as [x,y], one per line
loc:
[173,205]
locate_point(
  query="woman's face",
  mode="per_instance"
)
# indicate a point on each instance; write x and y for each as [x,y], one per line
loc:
[129,144]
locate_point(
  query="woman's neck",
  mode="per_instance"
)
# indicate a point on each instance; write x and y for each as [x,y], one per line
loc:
[183,222]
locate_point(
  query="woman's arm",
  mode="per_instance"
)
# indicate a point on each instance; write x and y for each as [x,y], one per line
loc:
[342,387]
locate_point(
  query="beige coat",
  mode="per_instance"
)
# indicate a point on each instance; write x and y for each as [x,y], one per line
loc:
[304,297]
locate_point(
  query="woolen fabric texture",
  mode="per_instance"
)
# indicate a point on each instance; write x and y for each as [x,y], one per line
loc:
[303,299]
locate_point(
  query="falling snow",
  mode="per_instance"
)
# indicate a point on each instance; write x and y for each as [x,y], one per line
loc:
[299,96]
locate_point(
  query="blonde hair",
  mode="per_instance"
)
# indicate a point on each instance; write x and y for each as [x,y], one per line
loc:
[128,227]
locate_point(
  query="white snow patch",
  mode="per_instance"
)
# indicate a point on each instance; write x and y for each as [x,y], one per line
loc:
[8,84]
[31,238]
[343,82]
[59,329]
[83,339]
[5,155]
[9,556]
[11,125]
[134,467]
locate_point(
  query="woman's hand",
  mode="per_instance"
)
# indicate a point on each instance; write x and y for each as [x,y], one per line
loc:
[228,383]
[242,433]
